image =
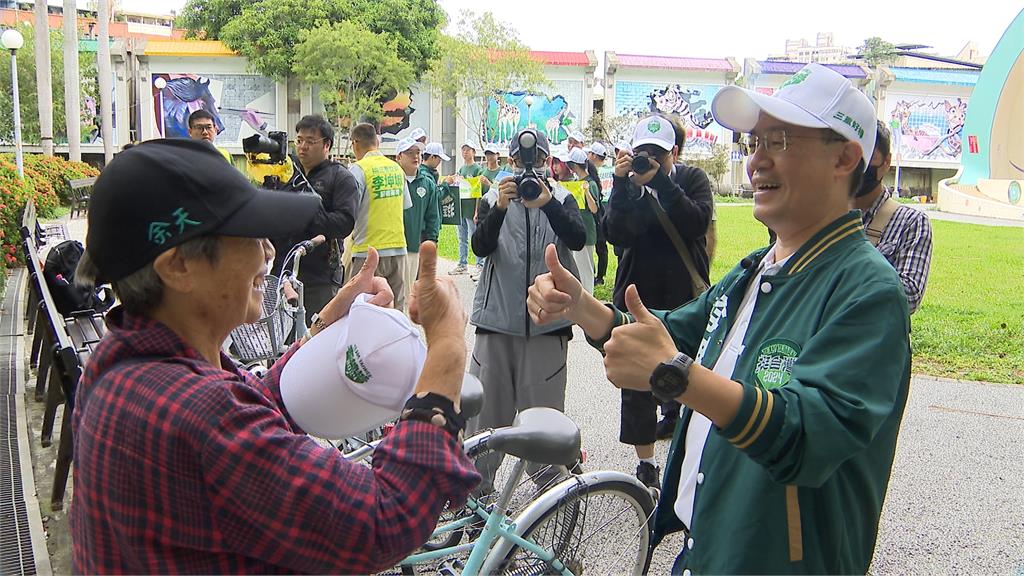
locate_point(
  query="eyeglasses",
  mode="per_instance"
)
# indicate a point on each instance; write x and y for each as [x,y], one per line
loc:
[775,141]
[204,127]
[308,141]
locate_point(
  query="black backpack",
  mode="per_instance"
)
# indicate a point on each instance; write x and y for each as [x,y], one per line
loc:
[59,272]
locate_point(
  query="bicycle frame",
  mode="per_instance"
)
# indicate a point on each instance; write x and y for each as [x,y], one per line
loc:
[498,527]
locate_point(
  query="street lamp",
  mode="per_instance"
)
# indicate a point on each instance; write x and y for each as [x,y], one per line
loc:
[13,40]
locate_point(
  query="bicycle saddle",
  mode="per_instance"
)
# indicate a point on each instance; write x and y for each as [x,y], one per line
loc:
[541,435]
[472,396]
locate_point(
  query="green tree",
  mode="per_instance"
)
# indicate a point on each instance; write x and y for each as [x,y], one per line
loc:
[206,18]
[267,31]
[715,165]
[609,128]
[356,70]
[877,52]
[27,88]
[484,58]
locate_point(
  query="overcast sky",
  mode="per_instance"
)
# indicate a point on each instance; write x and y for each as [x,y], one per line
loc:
[737,28]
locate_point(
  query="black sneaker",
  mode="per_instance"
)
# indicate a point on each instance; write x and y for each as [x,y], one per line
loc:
[649,475]
[667,427]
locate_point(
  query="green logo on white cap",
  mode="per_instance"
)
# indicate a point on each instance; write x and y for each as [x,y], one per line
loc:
[653,126]
[355,370]
[796,78]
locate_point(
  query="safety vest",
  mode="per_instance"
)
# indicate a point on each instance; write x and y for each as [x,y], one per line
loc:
[385,187]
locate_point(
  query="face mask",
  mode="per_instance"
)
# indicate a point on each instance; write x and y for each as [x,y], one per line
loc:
[870,181]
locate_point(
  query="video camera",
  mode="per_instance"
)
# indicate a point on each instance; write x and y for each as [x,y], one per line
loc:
[529,182]
[274,144]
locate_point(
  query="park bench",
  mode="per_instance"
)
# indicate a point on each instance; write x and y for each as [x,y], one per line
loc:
[80,190]
[43,233]
[61,346]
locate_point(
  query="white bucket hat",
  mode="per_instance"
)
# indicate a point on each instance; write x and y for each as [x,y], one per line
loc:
[355,375]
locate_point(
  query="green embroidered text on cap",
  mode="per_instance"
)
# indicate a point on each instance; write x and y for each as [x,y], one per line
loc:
[796,78]
[775,361]
[849,121]
[355,369]
[158,230]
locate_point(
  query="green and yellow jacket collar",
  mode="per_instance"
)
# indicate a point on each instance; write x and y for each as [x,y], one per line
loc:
[831,239]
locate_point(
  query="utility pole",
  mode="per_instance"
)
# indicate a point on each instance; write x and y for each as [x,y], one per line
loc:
[44,81]
[106,81]
[72,106]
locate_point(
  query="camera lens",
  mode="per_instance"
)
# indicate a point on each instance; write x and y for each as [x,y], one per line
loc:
[529,188]
[527,140]
[641,164]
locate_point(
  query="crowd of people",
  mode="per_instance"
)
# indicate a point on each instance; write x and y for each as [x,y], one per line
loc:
[782,385]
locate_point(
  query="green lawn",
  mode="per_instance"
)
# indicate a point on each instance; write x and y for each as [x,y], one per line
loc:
[971,323]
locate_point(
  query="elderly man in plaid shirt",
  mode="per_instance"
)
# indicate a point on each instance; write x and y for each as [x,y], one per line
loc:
[186,464]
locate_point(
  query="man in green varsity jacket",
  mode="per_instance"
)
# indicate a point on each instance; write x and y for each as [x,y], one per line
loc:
[793,370]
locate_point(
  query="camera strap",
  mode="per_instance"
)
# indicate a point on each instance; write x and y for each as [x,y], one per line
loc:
[697,282]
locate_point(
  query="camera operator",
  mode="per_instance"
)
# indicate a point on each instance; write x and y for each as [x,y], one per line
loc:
[650,258]
[515,222]
[320,272]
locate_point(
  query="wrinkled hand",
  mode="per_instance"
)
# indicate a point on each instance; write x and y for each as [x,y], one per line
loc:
[635,350]
[365,282]
[554,295]
[507,192]
[434,302]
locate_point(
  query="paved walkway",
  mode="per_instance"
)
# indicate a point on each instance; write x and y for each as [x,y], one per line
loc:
[954,502]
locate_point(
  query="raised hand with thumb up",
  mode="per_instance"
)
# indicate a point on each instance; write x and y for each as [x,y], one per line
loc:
[434,302]
[636,349]
[554,295]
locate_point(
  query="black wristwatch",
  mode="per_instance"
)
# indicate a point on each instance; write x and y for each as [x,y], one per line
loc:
[669,379]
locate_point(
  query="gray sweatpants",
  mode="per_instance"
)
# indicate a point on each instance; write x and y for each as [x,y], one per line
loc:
[391,268]
[517,373]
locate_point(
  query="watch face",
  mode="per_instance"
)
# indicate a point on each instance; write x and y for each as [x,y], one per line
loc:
[671,379]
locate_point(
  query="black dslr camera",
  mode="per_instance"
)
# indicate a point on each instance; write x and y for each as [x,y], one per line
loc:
[641,162]
[275,144]
[529,183]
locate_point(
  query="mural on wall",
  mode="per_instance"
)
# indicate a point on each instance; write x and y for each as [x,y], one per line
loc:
[509,112]
[397,112]
[241,104]
[690,103]
[928,127]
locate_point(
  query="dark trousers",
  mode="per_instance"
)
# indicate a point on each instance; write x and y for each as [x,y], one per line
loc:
[639,417]
[601,247]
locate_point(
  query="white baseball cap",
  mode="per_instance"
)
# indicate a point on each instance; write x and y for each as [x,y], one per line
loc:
[577,136]
[815,97]
[435,149]
[577,156]
[560,153]
[654,130]
[471,144]
[355,375]
[492,148]
[597,149]
[406,143]
[417,133]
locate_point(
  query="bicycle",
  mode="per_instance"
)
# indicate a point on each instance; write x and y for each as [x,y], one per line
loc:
[567,528]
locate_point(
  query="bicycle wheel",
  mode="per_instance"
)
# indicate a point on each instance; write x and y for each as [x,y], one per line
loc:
[596,526]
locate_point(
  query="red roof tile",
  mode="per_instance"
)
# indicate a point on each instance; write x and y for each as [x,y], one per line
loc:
[674,63]
[561,58]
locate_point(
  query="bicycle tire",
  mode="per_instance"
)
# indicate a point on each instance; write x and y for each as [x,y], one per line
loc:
[563,529]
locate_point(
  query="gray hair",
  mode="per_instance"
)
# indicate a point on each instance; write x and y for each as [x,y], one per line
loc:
[142,290]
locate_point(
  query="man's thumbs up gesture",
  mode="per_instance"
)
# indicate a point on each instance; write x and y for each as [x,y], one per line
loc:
[636,349]
[554,295]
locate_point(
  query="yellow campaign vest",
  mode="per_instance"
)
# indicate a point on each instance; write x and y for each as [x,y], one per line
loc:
[385,186]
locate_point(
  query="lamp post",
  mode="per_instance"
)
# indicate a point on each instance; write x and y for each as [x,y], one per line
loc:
[12,40]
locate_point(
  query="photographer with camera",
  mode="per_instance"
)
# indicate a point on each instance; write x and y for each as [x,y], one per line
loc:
[658,213]
[321,272]
[516,221]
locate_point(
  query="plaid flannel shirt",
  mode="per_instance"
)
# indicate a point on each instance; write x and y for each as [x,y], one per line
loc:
[181,467]
[907,244]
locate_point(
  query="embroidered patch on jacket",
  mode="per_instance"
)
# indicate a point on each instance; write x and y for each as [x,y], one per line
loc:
[775,360]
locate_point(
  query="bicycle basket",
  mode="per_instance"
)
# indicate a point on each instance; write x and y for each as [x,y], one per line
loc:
[265,338]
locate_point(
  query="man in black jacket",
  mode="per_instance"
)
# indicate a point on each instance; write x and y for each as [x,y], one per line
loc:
[650,259]
[320,270]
